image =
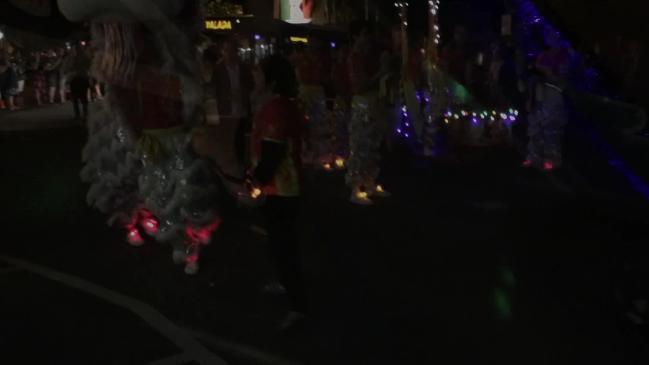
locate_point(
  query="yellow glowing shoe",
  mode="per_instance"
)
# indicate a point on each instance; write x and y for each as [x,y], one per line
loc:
[380,192]
[340,163]
[361,198]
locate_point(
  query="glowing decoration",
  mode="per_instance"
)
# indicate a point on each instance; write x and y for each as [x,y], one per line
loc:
[332,44]
[255,193]
[379,189]
[340,162]
[150,225]
[257,37]
[134,238]
[327,167]
[362,195]
[218,24]
[548,166]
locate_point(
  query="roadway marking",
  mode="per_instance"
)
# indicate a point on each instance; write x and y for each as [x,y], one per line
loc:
[191,347]
[250,353]
[173,360]
[8,270]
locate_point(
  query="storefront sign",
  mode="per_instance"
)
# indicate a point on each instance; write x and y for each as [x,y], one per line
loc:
[299,40]
[218,25]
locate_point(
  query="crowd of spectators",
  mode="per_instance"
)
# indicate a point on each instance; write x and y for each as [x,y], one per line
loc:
[36,78]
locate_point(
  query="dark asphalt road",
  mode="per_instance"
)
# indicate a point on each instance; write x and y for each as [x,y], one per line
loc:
[473,260]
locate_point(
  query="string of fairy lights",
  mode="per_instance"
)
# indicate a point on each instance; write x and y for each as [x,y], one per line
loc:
[405,128]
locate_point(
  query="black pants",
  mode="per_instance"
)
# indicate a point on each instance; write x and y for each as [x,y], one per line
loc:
[79,90]
[281,216]
[244,125]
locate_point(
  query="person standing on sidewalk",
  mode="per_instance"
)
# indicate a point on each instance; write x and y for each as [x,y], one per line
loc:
[77,74]
[277,137]
[52,74]
[8,82]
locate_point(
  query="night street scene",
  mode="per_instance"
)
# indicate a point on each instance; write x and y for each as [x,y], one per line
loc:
[324,182]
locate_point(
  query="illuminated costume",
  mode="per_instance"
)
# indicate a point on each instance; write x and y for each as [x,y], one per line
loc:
[312,97]
[139,159]
[548,116]
[367,129]
[437,102]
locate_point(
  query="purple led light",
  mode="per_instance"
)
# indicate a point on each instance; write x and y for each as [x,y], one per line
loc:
[257,37]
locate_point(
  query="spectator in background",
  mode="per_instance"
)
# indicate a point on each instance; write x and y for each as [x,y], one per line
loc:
[38,79]
[3,69]
[66,60]
[52,75]
[18,66]
[261,92]
[78,74]
[455,56]
[8,83]
[230,86]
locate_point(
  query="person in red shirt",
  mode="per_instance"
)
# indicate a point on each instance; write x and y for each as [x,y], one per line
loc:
[277,136]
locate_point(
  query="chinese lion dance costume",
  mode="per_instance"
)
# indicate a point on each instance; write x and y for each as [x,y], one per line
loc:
[139,160]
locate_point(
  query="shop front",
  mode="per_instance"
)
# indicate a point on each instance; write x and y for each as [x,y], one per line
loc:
[261,37]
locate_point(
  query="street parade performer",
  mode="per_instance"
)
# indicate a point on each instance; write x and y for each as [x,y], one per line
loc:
[139,160]
[368,124]
[548,114]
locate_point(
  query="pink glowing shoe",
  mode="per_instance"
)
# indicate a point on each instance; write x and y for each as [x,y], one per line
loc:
[548,166]
[527,163]
[134,238]
[150,225]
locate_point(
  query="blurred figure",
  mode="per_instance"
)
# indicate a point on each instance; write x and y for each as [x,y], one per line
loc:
[52,75]
[368,123]
[63,79]
[230,88]
[261,91]
[548,115]
[78,74]
[455,56]
[38,79]
[21,76]
[309,67]
[8,83]
[277,169]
